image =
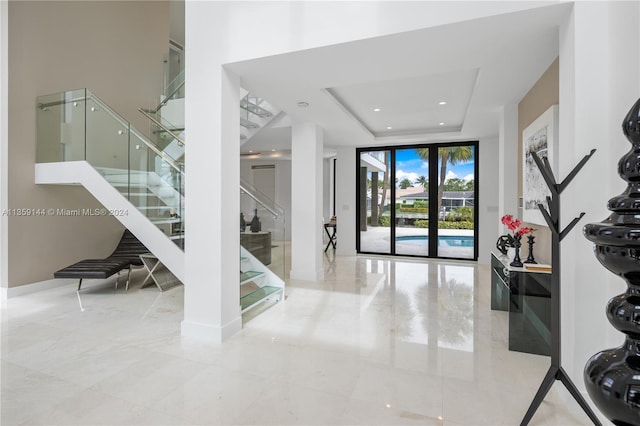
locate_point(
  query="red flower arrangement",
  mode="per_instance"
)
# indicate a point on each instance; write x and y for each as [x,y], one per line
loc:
[514,225]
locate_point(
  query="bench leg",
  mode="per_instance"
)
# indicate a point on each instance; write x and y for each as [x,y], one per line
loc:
[128,277]
[79,284]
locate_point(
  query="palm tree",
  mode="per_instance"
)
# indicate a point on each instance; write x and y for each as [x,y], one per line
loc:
[405,183]
[448,155]
[424,182]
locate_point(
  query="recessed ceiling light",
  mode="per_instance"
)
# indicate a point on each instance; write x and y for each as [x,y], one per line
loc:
[442,124]
[389,127]
[273,150]
[303,104]
[442,103]
[376,110]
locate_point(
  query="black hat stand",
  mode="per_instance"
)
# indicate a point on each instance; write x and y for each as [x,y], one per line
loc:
[552,217]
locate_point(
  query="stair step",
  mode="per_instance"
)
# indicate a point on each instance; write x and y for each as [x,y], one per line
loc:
[163,207]
[161,220]
[255,109]
[256,296]
[248,276]
[248,124]
[142,194]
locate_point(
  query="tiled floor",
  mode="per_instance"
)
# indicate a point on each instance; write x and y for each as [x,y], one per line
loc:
[380,341]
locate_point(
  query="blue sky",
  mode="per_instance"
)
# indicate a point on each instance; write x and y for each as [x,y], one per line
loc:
[410,166]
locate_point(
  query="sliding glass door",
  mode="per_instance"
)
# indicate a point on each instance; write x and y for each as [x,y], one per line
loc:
[412,201]
[418,200]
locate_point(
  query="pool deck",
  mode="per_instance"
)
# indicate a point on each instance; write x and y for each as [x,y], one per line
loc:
[376,239]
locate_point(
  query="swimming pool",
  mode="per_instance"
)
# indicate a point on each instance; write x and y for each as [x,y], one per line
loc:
[443,240]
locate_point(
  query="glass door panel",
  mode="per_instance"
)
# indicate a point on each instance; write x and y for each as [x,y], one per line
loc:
[456,201]
[412,201]
[374,195]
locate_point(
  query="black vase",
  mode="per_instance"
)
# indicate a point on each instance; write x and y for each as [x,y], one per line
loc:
[517,262]
[612,377]
[243,224]
[256,226]
[530,242]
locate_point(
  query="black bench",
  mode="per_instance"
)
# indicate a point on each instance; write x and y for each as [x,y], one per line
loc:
[126,255]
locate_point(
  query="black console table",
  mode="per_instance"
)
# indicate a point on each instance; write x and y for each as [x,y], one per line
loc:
[526,295]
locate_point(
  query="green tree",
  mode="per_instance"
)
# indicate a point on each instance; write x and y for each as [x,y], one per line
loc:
[448,155]
[405,183]
[423,181]
[470,186]
[455,184]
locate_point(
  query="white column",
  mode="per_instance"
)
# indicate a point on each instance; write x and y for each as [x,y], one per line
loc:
[599,68]
[508,163]
[212,252]
[306,202]
[346,200]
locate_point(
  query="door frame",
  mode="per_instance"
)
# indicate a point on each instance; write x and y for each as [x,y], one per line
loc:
[433,191]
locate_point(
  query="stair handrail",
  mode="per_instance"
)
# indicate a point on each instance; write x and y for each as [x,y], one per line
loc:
[260,198]
[139,135]
[170,95]
[162,126]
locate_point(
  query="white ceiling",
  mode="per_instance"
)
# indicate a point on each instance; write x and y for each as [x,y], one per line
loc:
[410,105]
[475,66]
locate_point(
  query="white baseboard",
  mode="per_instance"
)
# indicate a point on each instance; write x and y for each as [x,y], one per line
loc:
[21,290]
[211,333]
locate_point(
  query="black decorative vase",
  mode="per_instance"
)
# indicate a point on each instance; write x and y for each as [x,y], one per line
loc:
[503,244]
[256,226]
[612,377]
[530,243]
[516,259]
[243,223]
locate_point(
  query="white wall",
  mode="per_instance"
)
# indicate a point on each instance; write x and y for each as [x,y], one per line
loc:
[488,197]
[296,25]
[346,200]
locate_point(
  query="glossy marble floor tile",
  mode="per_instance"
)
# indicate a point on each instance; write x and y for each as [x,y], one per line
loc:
[377,342]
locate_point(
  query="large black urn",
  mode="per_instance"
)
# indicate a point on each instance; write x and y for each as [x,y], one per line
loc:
[612,377]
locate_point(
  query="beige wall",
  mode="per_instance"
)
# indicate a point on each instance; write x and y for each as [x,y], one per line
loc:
[544,93]
[116,50]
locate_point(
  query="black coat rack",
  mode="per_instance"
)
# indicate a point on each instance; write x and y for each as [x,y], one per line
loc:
[552,217]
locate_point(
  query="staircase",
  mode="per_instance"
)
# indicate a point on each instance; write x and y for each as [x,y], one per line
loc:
[81,140]
[258,284]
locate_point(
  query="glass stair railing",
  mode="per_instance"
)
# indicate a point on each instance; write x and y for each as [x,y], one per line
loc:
[174,90]
[76,125]
[166,136]
[262,241]
[255,112]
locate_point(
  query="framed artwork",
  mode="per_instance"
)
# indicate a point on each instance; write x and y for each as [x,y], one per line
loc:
[540,137]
